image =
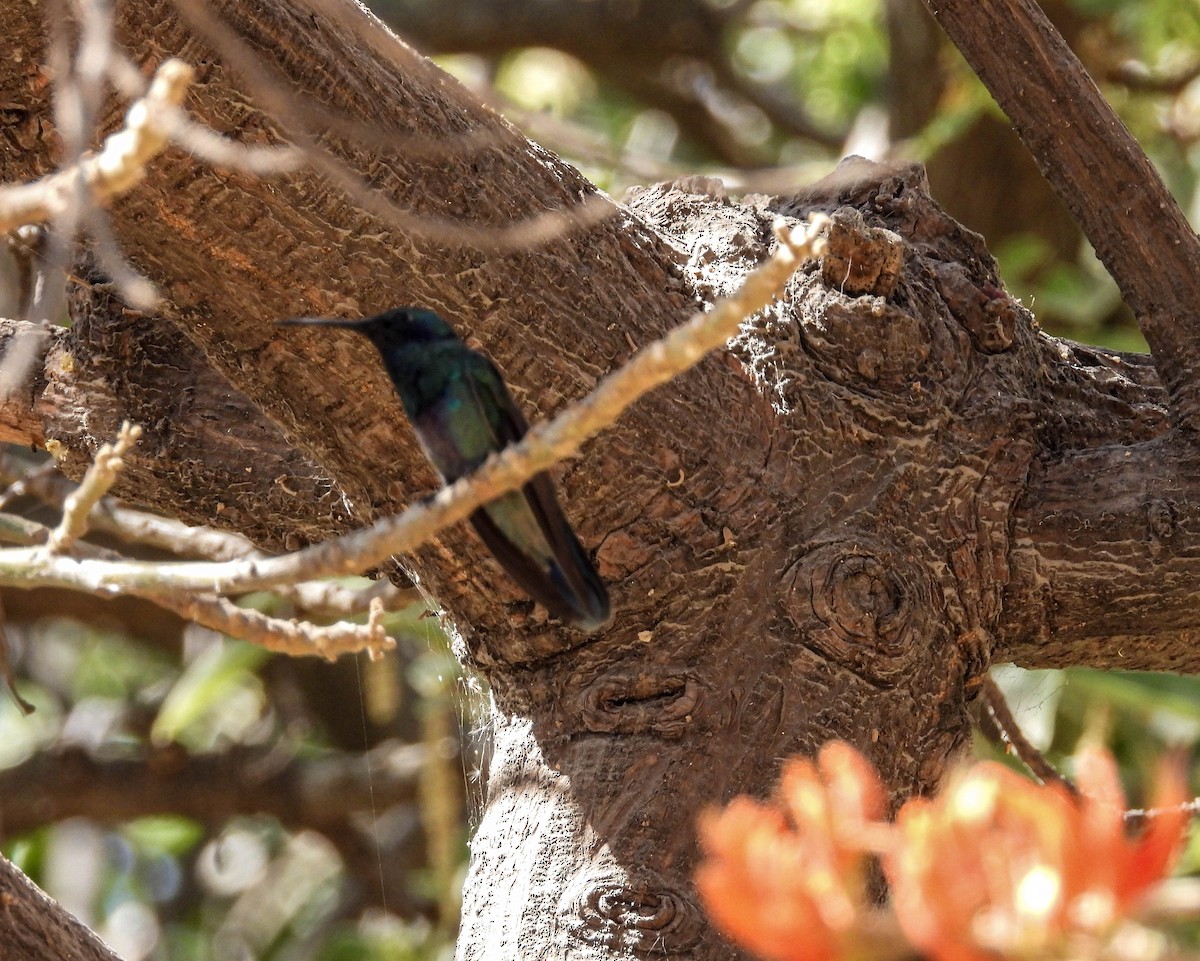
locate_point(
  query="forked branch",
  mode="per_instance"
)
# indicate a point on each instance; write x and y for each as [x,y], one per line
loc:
[1099,170]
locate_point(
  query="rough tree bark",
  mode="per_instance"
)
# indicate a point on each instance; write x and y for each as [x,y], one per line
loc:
[891,480]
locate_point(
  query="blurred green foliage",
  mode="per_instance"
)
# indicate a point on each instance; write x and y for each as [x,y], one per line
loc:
[831,59]
[166,887]
[215,699]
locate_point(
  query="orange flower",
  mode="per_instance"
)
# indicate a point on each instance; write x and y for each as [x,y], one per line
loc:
[997,865]
[1130,867]
[786,879]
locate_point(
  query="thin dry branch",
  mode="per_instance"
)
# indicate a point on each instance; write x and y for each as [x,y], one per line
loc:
[294,637]
[274,96]
[323,598]
[207,145]
[20,530]
[47,485]
[328,598]
[120,164]
[545,445]
[288,636]
[95,484]
[1001,727]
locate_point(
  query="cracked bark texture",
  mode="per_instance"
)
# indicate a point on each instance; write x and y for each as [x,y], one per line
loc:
[891,480]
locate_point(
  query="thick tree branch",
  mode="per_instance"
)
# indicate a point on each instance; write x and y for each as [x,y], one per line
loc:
[319,793]
[1101,173]
[808,536]
[1114,585]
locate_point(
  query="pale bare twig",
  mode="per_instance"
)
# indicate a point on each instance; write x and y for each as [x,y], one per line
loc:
[47,485]
[25,480]
[1138,76]
[210,146]
[136,289]
[272,89]
[328,598]
[124,75]
[21,530]
[168,534]
[545,445]
[289,636]
[120,164]
[285,636]
[99,478]
[1136,817]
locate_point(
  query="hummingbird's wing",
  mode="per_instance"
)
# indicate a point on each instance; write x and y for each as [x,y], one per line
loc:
[527,531]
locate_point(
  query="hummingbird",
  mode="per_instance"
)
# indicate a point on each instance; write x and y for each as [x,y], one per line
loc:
[462,412]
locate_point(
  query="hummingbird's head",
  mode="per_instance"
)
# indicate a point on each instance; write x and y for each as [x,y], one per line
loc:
[409,339]
[412,325]
[398,327]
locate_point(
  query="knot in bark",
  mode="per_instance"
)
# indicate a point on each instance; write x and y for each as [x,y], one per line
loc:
[861,600]
[642,915]
[661,703]
[864,610]
[985,311]
[860,259]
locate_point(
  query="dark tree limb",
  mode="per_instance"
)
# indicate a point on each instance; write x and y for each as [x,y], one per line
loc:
[986,151]
[1099,170]
[342,796]
[318,793]
[1097,536]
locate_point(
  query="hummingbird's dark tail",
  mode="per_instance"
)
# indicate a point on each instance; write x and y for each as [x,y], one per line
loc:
[566,584]
[588,597]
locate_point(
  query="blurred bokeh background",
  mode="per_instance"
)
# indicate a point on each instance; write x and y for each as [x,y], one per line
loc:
[193,797]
